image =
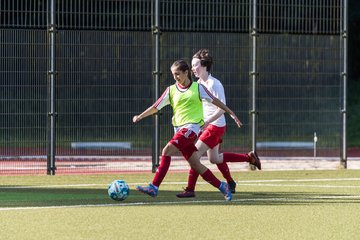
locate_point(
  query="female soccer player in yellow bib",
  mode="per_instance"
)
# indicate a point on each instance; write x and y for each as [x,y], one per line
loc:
[185,98]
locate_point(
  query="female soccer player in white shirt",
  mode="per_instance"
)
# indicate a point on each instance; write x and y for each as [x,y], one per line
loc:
[214,127]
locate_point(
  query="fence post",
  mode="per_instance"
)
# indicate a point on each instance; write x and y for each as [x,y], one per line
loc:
[253,76]
[51,113]
[156,136]
[343,158]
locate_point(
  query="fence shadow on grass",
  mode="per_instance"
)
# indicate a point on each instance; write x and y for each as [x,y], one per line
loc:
[262,198]
[45,197]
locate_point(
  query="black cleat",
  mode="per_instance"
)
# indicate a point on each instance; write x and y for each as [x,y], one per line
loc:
[254,159]
[232,186]
[186,194]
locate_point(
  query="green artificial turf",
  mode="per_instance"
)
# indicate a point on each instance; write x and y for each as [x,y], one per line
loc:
[267,205]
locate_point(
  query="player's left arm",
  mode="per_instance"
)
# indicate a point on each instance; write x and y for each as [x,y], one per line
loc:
[221,105]
[215,115]
[206,95]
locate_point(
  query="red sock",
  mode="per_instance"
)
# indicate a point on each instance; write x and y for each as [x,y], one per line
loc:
[162,170]
[192,179]
[224,169]
[234,157]
[210,178]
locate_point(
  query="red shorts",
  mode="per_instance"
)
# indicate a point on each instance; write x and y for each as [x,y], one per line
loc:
[211,135]
[184,140]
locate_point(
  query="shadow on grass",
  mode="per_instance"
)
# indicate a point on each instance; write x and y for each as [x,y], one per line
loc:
[31,197]
[263,198]
[41,197]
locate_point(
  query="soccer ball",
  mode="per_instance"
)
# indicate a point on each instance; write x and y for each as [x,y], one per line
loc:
[118,190]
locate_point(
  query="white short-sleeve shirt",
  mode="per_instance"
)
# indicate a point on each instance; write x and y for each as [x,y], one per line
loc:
[215,87]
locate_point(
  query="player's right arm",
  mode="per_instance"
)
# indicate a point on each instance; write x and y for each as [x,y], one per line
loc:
[150,111]
[159,104]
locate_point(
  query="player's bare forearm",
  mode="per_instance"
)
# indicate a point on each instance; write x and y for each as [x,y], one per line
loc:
[150,111]
[215,116]
[221,105]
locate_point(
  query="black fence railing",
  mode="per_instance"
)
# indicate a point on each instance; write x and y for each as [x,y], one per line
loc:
[282,63]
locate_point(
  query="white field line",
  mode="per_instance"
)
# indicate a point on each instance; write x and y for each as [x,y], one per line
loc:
[253,200]
[298,185]
[244,182]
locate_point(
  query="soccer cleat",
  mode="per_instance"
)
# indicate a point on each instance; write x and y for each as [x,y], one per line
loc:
[232,186]
[224,189]
[254,159]
[150,190]
[186,193]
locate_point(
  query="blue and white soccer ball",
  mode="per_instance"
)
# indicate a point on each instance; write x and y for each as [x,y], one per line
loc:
[118,190]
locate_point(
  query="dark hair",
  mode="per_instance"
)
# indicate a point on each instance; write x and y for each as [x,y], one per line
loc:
[183,66]
[206,59]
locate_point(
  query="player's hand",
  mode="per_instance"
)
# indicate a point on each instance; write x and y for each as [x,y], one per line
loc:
[238,123]
[136,118]
[206,123]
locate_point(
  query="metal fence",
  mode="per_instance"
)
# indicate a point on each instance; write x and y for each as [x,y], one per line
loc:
[74,72]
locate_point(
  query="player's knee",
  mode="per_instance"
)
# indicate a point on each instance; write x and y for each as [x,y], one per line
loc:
[194,165]
[168,150]
[214,160]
